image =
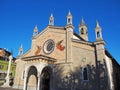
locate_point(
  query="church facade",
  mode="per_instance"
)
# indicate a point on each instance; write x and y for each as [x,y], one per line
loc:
[60,59]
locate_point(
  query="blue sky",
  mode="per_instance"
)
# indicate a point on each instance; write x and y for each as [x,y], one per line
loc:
[19,17]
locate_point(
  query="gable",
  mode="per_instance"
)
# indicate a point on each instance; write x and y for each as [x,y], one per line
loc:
[50,42]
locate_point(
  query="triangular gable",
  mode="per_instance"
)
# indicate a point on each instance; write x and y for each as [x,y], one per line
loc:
[51,33]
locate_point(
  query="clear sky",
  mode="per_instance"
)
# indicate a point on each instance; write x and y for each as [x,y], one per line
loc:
[19,17]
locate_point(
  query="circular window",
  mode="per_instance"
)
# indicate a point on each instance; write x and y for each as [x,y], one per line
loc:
[48,46]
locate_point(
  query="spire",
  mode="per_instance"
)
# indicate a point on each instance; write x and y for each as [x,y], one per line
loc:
[69,18]
[35,32]
[82,22]
[36,29]
[97,24]
[51,15]
[69,13]
[20,50]
[51,20]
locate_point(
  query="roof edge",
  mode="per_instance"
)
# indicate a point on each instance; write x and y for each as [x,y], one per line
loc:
[109,55]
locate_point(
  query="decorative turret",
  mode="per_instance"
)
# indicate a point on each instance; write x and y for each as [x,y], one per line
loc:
[35,32]
[51,20]
[69,18]
[20,53]
[98,32]
[83,30]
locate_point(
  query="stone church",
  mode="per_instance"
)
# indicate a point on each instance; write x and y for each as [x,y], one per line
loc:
[60,59]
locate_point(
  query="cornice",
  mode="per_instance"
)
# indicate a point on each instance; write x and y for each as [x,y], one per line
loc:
[38,57]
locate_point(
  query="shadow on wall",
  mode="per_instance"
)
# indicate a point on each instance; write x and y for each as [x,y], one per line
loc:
[116,76]
[96,79]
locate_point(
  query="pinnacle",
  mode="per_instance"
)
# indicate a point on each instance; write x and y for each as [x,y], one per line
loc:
[35,26]
[51,15]
[97,24]
[36,29]
[21,47]
[83,22]
[69,13]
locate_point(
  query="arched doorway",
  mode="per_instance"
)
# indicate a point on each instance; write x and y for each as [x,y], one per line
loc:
[45,78]
[32,78]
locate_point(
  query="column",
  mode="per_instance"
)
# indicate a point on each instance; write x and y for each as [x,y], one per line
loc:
[38,86]
[6,84]
[25,82]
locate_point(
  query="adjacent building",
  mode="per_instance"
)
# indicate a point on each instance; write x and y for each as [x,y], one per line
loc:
[4,61]
[60,59]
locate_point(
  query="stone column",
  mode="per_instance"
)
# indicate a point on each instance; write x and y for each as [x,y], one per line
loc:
[6,84]
[25,82]
[38,84]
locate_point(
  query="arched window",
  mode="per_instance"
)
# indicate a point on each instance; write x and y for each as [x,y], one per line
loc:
[51,22]
[69,21]
[85,76]
[82,31]
[98,34]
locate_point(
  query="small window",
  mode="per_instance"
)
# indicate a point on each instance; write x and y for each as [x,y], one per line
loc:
[82,31]
[13,68]
[85,74]
[7,68]
[2,75]
[1,66]
[98,34]
[51,22]
[69,20]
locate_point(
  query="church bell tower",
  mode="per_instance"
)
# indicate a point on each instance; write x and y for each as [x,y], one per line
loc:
[98,32]
[83,30]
